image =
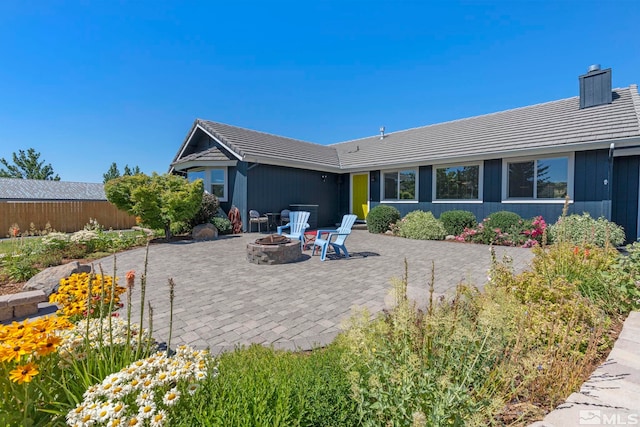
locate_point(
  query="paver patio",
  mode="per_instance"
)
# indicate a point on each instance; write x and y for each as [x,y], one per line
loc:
[222,301]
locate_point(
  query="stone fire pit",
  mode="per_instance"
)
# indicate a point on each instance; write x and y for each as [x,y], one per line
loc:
[273,249]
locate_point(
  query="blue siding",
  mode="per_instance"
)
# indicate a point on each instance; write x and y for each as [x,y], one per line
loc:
[550,212]
[237,191]
[492,181]
[425,183]
[624,211]
[591,170]
[374,186]
[273,188]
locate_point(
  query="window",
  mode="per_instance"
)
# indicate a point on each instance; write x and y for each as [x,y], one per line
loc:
[214,180]
[399,185]
[193,175]
[545,178]
[458,182]
[218,183]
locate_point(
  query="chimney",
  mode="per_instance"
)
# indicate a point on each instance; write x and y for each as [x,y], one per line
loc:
[595,87]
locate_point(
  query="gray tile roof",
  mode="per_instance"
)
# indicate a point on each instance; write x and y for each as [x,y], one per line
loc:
[543,126]
[212,154]
[246,142]
[556,125]
[33,189]
[253,146]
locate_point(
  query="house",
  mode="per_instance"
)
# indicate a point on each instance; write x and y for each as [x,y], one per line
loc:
[524,160]
[65,206]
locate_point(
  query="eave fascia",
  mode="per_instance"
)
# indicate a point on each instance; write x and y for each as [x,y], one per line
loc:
[293,164]
[203,163]
[502,154]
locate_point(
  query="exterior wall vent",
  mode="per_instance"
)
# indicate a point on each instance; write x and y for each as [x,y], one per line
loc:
[595,87]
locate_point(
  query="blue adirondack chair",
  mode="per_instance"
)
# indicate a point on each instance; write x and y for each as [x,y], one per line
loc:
[340,234]
[298,223]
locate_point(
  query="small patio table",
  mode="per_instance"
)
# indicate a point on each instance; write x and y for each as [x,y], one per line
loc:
[273,219]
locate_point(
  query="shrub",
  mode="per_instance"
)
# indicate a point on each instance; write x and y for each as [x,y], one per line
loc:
[381,217]
[623,275]
[222,224]
[208,210]
[585,230]
[504,220]
[455,222]
[422,226]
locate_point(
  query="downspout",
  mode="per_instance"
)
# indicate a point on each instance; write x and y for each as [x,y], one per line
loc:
[609,181]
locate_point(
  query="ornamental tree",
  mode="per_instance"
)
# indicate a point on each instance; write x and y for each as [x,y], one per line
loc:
[158,200]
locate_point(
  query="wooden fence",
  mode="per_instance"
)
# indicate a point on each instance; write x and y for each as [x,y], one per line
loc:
[62,216]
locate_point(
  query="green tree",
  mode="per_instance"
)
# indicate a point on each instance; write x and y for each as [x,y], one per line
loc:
[158,200]
[114,172]
[27,166]
[130,172]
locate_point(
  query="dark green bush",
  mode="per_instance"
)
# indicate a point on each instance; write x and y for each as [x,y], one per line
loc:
[208,209]
[381,217]
[222,224]
[504,220]
[422,226]
[456,221]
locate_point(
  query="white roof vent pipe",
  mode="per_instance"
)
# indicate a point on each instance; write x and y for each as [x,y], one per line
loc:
[381,132]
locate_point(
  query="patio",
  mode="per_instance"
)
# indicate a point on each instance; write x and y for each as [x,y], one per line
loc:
[222,300]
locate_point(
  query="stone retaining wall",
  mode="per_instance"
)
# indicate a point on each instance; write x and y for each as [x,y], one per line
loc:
[20,304]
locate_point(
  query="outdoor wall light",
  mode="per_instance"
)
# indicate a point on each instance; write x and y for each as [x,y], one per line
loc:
[323,177]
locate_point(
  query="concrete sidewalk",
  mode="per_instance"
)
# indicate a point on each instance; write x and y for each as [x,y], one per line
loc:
[611,396]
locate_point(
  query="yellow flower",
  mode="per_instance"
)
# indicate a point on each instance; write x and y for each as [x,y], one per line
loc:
[23,373]
[15,349]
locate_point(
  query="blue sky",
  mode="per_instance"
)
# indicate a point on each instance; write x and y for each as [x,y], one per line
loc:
[94,82]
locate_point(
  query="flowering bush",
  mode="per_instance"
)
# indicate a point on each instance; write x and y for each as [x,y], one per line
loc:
[87,295]
[143,392]
[99,333]
[23,344]
[524,233]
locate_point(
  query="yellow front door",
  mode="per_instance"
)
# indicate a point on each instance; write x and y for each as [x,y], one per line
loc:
[360,195]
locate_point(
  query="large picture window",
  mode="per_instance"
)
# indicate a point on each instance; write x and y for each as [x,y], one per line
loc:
[457,182]
[399,185]
[545,178]
[214,180]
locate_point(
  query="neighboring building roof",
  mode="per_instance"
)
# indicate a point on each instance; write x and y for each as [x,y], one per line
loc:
[550,127]
[34,189]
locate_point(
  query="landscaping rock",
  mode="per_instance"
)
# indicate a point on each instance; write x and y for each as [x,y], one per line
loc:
[49,279]
[204,232]
[450,237]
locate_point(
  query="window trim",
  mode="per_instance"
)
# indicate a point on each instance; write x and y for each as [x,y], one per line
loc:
[505,178]
[415,199]
[207,179]
[434,184]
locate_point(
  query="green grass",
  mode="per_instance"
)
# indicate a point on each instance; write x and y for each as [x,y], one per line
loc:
[258,386]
